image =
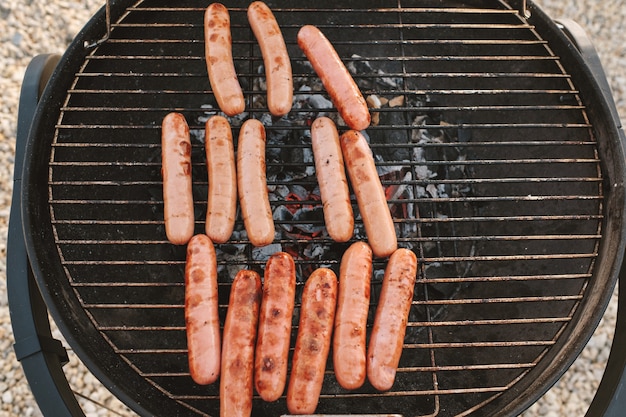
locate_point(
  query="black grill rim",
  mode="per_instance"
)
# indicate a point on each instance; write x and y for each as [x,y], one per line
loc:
[610,256]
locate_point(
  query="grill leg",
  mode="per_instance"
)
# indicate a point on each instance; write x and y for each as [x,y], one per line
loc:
[610,398]
[41,356]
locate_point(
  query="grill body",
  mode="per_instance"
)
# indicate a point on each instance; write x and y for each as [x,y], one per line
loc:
[503,168]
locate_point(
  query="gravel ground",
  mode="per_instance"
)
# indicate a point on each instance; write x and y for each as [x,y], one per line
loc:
[28,28]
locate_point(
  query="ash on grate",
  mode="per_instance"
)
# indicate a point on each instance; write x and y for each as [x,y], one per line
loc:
[410,144]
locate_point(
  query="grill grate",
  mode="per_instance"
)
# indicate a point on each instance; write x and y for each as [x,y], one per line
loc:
[491,168]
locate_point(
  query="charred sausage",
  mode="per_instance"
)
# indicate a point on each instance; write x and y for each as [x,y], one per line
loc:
[236,383]
[349,337]
[177,184]
[313,340]
[219,60]
[275,58]
[331,176]
[222,196]
[369,192]
[343,91]
[252,184]
[277,304]
[201,311]
[392,312]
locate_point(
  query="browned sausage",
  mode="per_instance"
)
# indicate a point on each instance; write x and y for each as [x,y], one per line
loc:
[369,192]
[222,197]
[275,58]
[338,82]
[176,173]
[201,310]
[219,60]
[317,314]
[392,313]
[236,384]
[252,184]
[331,176]
[272,349]
[349,348]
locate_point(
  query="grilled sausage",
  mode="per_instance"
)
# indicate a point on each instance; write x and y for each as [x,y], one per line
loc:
[176,173]
[331,176]
[236,384]
[369,192]
[251,184]
[277,304]
[317,314]
[275,58]
[392,312]
[219,60]
[222,197]
[349,349]
[343,91]
[201,310]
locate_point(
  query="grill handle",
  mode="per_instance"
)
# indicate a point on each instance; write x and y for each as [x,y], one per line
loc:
[610,398]
[41,356]
[584,45]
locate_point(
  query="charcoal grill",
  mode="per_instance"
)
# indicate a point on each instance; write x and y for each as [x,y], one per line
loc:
[500,150]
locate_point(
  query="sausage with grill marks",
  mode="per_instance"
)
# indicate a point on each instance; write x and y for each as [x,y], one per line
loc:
[219,60]
[349,337]
[331,176]
[343,91]
[275,58]
[274,334]
[201,310]
[317,314]
[240,327]
[252,184]
[177,184]
[369,192]
[390,320]
[222,196]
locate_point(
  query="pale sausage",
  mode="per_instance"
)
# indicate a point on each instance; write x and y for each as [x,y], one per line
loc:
[275,58]
[201,310]
[219,60]
[343,91]
[331,176]
[236,384]
[349,337]
[222,196]
[252,184]
[390,320]
[277,304]
[369,192]
[177,184]
[313,340]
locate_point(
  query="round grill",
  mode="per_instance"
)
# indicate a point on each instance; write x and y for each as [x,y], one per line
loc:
[491,160]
